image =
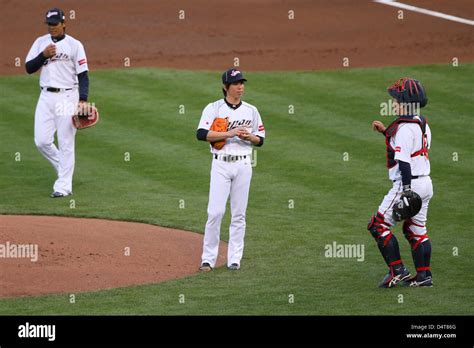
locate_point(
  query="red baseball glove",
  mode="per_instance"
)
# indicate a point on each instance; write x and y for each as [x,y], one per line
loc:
[85,117]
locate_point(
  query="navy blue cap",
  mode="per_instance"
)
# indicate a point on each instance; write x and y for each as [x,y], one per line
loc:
[54,16]
[231,76]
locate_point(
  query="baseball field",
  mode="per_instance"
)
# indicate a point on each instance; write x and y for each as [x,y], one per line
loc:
[316,182]
[318,72]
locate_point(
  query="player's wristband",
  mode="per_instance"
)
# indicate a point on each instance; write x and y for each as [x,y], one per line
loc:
[260,143]
[201,134]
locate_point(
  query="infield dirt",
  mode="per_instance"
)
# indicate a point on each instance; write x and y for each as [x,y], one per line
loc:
[259,33]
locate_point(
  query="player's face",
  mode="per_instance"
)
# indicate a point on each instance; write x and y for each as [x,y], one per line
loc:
[56,30]
[236,89]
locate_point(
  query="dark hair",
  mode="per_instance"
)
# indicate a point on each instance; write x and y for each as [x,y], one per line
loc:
[224,90]
[227,85]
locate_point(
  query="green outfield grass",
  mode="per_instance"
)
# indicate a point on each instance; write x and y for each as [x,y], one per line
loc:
[302,161]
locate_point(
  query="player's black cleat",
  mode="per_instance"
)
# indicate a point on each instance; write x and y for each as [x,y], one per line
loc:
[233,267]
[418,281]
[205,267]
[58,195]
[395,276]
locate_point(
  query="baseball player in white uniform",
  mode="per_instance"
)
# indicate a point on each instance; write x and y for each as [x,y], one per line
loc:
[231,170]
[64,82]
[408,140]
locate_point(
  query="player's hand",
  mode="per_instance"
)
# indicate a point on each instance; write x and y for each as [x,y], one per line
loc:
[244,134]
[84,108]
[378,126]
[49,51]
[235,132]
[407,192]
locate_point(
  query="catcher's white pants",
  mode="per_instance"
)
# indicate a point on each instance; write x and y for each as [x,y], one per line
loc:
[227,178]
[424,187]
[53,114]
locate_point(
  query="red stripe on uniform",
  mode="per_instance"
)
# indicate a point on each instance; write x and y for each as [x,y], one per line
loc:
[386,240]
[423,268]
[418,242]
[395,263]
[412,223]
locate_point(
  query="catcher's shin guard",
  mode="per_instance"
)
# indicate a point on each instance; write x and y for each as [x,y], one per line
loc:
[420,247]
[386,241]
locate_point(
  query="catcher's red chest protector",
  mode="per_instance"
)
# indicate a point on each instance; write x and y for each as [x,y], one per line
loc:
[392,130]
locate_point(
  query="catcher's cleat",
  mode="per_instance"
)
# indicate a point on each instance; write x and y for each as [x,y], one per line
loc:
[233,267]
[59,194]
[394,277]
[417,281]
[205,267]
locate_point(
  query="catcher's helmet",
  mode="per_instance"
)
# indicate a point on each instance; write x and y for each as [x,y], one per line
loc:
[407,207]
[408,90]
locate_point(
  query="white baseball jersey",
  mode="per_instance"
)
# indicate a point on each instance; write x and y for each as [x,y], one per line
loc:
[61,70]
[245,115]
[408,140]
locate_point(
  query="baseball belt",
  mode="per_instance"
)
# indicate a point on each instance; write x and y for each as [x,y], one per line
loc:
[229,158]
[55,90]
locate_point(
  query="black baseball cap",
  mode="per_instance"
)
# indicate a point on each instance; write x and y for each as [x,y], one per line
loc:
[231,76]
[54,16]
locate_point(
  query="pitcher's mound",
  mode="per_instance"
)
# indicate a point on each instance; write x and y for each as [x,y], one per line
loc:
[76,254]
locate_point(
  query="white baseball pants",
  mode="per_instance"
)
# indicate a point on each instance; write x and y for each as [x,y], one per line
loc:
[424,187]
[227,178]
[53,114]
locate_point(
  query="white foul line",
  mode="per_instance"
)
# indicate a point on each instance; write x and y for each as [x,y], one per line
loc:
[424,11]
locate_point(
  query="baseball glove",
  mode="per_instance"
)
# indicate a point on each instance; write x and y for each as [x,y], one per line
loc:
[408,206]
[219,125]
[85,117]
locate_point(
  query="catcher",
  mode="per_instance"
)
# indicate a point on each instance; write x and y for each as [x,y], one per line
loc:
[408,140]
[232,126]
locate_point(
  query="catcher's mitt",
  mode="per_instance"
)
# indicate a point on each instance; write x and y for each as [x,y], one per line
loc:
[85,118]
[219,125]
[408,206]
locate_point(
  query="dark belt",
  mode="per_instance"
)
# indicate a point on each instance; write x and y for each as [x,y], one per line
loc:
[413,177]
[55,90]
[229,158]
